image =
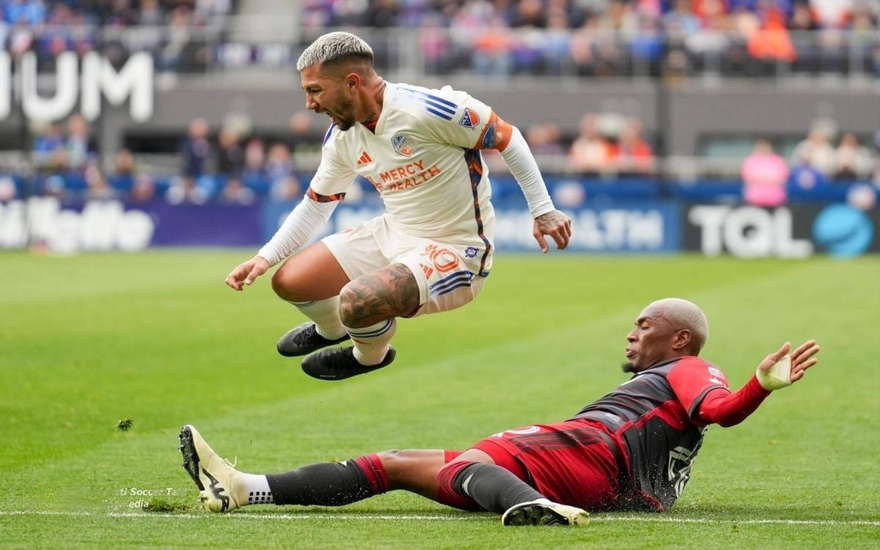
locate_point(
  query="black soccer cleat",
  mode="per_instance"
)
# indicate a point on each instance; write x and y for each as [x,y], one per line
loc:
[544,512]
[339,364]
[304,339]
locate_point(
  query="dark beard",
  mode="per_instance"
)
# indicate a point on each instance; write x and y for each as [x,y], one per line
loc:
[627,367]
[346,112]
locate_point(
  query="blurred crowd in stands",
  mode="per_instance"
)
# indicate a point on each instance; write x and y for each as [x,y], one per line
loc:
[235,163]
[620,37]
[164,27]
[491,38]
[824,156]
[227,164]
[232,164]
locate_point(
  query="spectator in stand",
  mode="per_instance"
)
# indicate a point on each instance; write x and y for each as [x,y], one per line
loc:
[711,43]
[197,152]
[590,152]
[770,43]
[31,13]
[143,189]
[150,13]
[8,189]
[545,139]
[680,21]
[209,12]
[196,149]
[230,154]
[234,192]
[283,183]
[77,142]
[831,14]
[185,190]
[435,46]
[802,18]
[647,47]
[123,176]
[764,176]
[852,161]
[116,13]
[493,50]
[173,54]
[632,154]
[56,37]
[47,145]
[816,151]
[800,23]
[303,134]
[83,35]
[97,187]
[20,40]
[254,172]
[556,40]
[381,14]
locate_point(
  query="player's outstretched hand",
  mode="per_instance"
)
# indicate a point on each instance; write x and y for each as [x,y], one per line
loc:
[555,225]
[247,273]
[782,369]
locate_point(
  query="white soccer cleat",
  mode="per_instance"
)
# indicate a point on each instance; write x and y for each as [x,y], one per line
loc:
[221,486]
[544,512]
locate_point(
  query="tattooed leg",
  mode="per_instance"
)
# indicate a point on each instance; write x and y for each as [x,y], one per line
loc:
[369,306]
[378,296]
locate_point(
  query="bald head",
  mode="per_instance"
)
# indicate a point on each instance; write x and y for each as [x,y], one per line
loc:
[682,314]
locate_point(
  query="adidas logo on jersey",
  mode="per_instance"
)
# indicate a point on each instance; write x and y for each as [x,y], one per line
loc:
[365,158]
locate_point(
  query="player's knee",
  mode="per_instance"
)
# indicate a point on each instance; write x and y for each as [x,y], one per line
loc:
[286,285]
[389,456]
[352,304]
[393,461]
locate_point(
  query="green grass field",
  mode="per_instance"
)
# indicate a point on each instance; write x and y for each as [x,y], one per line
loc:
[157,338]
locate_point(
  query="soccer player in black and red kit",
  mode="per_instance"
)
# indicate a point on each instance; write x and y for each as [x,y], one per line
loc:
[630,450]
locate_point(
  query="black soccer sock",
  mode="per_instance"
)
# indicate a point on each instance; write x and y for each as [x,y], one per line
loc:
[327,484]
[493,487]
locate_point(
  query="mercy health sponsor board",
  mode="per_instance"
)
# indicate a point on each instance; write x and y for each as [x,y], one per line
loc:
[626,226]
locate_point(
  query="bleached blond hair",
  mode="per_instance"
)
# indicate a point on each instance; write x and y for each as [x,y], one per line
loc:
[333,46]
[684,314]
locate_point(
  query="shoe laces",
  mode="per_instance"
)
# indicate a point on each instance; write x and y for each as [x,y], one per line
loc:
[226,461]
[306,336]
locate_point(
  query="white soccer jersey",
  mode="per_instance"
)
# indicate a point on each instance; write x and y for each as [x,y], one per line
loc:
[423,161]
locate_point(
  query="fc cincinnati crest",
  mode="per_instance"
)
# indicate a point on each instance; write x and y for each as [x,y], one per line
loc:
[402,143]
[469,119]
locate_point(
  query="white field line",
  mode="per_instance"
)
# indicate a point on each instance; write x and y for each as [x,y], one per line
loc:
[418,517]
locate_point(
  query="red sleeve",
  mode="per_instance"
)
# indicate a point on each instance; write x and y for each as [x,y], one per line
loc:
[728,409]
[692,379]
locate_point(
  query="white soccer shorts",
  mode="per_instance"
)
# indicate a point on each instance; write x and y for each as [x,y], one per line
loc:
[447,273]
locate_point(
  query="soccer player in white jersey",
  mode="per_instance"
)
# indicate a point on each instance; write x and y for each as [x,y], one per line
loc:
[432,248]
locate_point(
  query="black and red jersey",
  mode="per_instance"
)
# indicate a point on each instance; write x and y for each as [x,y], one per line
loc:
[654,417]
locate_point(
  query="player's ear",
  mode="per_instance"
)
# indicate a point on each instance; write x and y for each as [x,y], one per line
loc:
[682,339]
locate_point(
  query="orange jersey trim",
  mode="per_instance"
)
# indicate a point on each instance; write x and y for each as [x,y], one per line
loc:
[324,198]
